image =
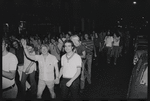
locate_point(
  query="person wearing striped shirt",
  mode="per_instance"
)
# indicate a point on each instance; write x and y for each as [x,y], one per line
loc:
[89,45]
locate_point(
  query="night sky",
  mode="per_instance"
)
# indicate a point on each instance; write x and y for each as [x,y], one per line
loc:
[102,12]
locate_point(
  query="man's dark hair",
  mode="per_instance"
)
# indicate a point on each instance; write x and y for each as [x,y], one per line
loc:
[6,40]
[69,41]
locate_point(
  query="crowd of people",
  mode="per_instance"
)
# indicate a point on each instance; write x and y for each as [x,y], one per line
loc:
[64,59]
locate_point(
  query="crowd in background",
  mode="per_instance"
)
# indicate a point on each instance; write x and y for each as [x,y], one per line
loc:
[26,52]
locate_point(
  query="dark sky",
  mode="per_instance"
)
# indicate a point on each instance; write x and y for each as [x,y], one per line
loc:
[102,11]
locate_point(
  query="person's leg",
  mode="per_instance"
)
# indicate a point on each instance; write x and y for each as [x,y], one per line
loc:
[97,53]
[20,69]
[50,85]
[75,89]
[115,54]
[89,63]
[41,87]
[82,83]
[33,83]
[64,88]
[108,54]
[23,83]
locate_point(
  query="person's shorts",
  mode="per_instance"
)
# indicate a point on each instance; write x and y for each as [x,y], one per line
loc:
[50,84]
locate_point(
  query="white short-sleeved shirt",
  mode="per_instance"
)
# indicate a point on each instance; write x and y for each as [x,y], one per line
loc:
[26,64]
[9,63]
[46,67]
[108,41]
[70,66]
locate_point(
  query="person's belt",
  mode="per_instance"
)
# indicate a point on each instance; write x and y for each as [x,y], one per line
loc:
[9,88]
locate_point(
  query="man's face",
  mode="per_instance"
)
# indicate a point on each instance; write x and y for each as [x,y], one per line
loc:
[30,49]
[53,41]
[76,42]
[86,36]
[67,36]
[68,47]
[15,44]
[44,50]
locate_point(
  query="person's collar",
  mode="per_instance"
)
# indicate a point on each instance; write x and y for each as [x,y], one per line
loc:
[46,55]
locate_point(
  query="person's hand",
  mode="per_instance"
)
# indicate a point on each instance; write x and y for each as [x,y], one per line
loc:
[23,41]
[27,70]
[68,84]
[56,81]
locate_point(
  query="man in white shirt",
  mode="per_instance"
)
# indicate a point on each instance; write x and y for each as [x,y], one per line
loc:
[115,50]
[9,65]
[47,64]
[109,43]
[71,68]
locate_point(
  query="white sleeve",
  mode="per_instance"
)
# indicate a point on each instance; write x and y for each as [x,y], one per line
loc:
[79,61]
[13,63]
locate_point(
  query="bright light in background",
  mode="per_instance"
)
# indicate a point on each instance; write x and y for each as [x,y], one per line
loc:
[134,2]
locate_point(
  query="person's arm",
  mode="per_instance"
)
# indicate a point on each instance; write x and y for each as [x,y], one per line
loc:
[56,70]
[9,75]
[79,62]
[61,72]
[94,49]
[28,68]
[77,74]
[32,57]
[61,69]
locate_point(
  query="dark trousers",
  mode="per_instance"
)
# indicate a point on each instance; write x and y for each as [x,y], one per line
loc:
[74,88]
[109,49]
[97,53]
[32,82]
